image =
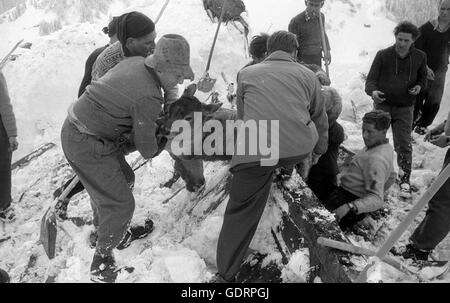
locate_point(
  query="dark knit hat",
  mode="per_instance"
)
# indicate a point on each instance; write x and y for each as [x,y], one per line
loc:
[133,25]
[111,29]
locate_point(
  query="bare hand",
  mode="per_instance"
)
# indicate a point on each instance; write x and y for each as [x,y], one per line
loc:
[315,158]
[342,211]
[13,144]
[377,97]
[327,59]
[431,75]
[441,141]
[415,90]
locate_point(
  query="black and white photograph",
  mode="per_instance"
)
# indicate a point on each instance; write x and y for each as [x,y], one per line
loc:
[250,143]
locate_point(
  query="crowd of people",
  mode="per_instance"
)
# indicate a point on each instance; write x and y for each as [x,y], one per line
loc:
[130,82]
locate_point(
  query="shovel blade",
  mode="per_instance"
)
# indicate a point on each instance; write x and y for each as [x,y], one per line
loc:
[206,84]
[48,233]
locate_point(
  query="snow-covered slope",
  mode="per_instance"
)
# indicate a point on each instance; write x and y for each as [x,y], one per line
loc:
[44,80]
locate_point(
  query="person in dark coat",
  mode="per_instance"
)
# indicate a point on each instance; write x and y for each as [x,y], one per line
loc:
[435,227]
[307,28]
[111,31]
[397,76]
[434,40]
[8,144]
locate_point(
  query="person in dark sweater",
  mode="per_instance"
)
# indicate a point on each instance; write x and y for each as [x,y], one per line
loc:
[434,41]
[435,227]
[398,74]
[306,26]
[111,31]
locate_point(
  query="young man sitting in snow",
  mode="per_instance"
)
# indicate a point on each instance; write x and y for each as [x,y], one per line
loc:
[369,175]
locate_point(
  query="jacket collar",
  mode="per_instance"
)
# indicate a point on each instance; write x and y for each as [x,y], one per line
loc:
[280,56]
[309,16]
[435,24]
[411,51]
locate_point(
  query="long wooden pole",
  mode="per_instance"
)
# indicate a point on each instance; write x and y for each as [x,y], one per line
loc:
[398,232]
[324,43]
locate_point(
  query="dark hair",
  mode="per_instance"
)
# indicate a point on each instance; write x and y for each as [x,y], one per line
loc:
[283,41]
[407,27]
[381,119]
[258,45]
[111,29]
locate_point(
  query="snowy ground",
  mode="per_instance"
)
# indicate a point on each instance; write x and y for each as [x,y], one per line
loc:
[44,80]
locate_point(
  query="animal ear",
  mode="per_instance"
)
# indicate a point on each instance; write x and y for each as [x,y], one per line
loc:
[209,109]
[190,90]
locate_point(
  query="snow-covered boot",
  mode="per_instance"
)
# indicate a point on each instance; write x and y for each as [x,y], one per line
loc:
[4,277]
[135,233]
[412,252]
[8,215]
[103,268]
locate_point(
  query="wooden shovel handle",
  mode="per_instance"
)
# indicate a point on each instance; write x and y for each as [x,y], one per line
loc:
[208,65]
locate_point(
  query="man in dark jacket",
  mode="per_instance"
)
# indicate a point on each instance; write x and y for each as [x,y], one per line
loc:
[275,90]
[111,31]
[397,76]
[435,227]
[434,40]
[125,103]
[8,144]
[307,27]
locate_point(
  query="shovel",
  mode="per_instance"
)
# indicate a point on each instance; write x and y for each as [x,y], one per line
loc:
[5,60]
[49,224]
[324,43]
[206,83]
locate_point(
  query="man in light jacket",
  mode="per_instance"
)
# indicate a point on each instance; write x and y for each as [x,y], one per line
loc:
[123,105]
[8,144]
[277,90]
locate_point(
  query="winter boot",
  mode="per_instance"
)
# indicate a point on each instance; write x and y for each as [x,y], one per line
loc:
[135,233]
[218,279]
[420,130]
[4,277]
[412,252]
[405,187]
[103,268]
[7,215]
[61,208]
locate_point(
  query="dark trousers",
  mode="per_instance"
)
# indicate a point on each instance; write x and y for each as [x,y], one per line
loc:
[429,101]
[311,59]
[5,169]
[402,121]
[436,224]
[338,198]
[250,190]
